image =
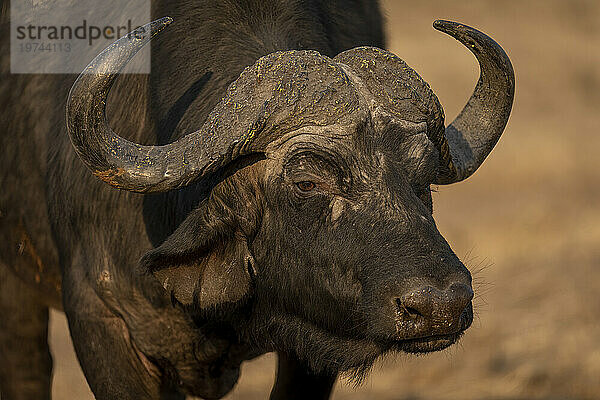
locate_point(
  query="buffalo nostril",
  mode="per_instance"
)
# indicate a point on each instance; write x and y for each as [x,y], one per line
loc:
[412,312]
[428,311]
[405,310]
[434,304]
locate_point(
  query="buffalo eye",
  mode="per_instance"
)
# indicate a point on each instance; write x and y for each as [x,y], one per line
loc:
[305,186]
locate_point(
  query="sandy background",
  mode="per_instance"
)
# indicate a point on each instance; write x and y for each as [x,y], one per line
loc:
[527,223]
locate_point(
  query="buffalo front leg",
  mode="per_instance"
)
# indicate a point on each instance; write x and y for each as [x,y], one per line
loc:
[25,361]
[296,381]
[112,365]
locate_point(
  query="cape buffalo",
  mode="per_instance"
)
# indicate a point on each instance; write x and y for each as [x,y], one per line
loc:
[296,218]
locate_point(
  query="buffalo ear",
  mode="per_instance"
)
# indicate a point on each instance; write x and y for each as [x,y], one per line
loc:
[203,261]
[226,277]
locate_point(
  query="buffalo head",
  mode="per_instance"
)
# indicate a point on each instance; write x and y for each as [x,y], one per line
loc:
[322,242]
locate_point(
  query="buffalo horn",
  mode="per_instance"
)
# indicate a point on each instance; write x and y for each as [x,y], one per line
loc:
[124,164]
[471,137]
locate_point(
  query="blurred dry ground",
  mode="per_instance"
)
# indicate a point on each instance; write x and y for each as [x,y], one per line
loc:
[527,223]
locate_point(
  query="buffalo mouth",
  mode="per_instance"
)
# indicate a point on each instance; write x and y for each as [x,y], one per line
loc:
[428,344]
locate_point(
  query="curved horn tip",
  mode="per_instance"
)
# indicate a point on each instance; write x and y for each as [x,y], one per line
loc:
[460,32]
[159,25]
[152,28]
[164,21]
[475,40]
[445,25]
